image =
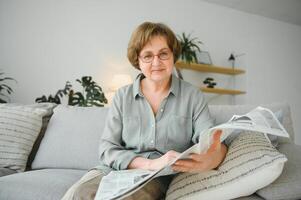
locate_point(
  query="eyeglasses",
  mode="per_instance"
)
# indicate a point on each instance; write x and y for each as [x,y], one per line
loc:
[149,57]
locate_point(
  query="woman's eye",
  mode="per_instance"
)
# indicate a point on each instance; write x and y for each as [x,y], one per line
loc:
[163,55]
[147,56]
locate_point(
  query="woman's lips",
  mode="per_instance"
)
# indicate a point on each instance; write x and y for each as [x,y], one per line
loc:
[157,70]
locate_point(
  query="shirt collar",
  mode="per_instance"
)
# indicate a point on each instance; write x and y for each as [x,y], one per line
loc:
[175,84]
[136,85]
[174,88]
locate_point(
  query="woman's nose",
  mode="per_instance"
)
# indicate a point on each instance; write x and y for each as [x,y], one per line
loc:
[156,60]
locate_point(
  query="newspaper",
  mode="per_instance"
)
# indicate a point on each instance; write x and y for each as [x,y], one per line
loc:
[120,184]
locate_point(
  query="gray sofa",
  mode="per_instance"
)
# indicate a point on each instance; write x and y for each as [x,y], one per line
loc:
[67,147]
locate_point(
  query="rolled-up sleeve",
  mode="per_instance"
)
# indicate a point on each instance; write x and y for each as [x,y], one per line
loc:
[201,117]
[111,150]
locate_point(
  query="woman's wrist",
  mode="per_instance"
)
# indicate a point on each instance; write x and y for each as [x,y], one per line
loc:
[140,163]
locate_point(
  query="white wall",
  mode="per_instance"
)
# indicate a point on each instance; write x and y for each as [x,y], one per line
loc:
[45,43]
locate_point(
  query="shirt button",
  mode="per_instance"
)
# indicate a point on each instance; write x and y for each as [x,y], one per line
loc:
[152,125]
[152,141]
[161,110]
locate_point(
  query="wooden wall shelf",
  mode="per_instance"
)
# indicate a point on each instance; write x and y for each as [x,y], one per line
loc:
[213,69]
[222,91]
[209,68]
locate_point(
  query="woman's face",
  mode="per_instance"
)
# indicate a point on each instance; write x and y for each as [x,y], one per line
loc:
[156,60]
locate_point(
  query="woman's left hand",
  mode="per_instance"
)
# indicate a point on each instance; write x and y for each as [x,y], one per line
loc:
[203,162]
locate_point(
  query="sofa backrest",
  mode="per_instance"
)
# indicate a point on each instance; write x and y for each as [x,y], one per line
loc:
[72,138]
[73,133]
[222,113]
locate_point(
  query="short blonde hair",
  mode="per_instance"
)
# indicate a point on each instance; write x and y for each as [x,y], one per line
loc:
[144,33]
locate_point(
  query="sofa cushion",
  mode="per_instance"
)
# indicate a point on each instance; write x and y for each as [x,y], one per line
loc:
[222,113]
[288,185]
[251,163]
[47,184]
[20,126]
[72,138]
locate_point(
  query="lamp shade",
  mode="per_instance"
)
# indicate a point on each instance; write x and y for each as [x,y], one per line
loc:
[120,80]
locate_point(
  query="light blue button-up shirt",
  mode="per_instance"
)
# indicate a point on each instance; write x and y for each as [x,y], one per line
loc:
[133,130]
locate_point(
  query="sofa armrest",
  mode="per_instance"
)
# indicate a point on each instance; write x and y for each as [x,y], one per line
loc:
[288,185]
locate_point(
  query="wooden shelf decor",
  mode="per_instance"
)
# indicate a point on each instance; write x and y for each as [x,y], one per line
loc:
[212,69]
[221,91]
[209,68]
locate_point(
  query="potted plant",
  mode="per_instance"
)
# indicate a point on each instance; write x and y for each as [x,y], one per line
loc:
[190,47]
[92,94]
[57,97]
[5,90]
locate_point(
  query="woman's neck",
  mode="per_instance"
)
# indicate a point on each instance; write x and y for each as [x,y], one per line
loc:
[155,86]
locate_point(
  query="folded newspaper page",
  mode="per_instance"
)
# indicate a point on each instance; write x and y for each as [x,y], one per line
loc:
[120,184]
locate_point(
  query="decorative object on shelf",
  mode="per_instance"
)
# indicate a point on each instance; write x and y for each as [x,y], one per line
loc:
[232,58]
[209,82]
[189,48]
[92,94]
[5,90]
[204,58]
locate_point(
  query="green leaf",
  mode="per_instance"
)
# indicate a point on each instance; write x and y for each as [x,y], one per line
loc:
[5,89]
[190,45]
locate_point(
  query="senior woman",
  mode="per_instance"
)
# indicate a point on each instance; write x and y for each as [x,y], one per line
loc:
[153,119]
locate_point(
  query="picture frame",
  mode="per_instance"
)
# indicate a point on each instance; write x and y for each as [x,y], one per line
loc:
[204,58]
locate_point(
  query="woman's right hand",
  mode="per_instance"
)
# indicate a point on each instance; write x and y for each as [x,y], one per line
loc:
[158,163]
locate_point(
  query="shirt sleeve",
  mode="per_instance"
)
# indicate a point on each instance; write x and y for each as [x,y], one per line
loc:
[111,149]
[202,119]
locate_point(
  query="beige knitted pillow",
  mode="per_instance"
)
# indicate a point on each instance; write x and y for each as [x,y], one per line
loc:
[250,164]
[19,128]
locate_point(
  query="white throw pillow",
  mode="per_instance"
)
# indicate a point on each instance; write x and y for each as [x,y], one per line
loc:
[72,138]
[20,126]
[250,164]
